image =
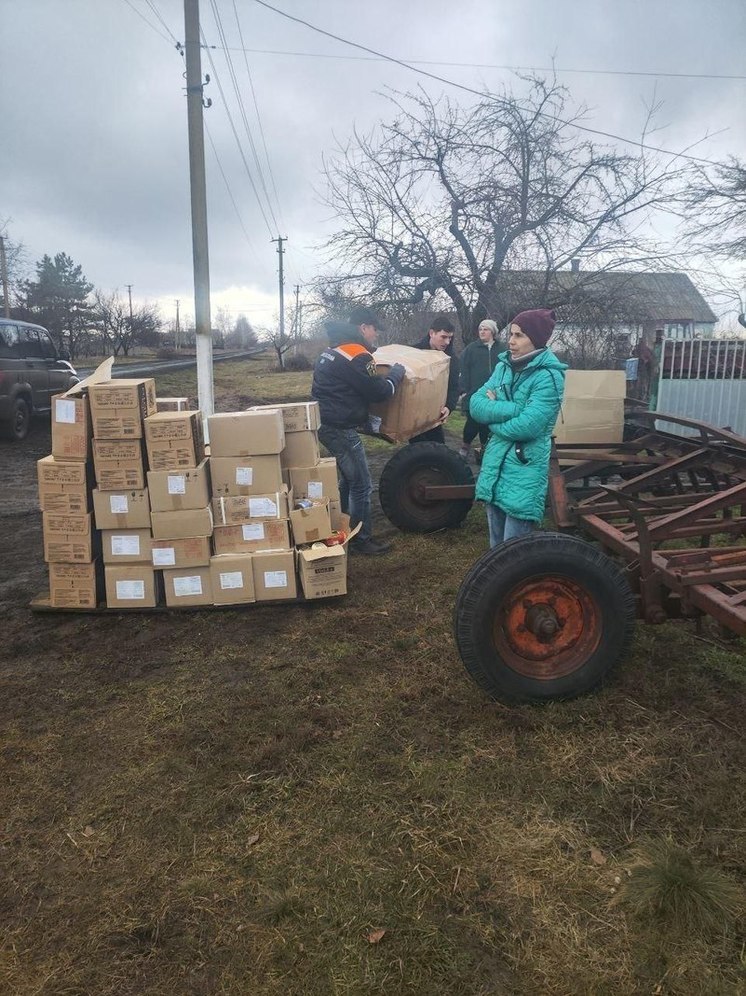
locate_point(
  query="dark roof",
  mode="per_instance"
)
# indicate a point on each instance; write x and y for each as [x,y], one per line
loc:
[634,297]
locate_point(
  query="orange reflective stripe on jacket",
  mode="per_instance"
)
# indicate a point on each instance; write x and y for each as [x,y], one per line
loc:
[350,350]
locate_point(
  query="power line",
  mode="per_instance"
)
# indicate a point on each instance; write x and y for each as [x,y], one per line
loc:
[153,7]
[242,110]
[258,115]
[478,93]
[230,194]
[238,141]
[149,23]
[495,65]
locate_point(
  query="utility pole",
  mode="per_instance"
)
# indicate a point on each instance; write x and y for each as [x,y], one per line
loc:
[296,319]
[279,240]
[200,253]
[129,292]
[4,272]
[177,330]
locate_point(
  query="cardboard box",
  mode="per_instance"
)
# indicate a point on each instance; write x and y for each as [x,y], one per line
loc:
[192,586]
[301,450]
[311,524]
[171,404]
[127,546]
[252,537]
[274,576]
[174,439]
[321,481]
[121,509]
[134,587]
[179,489]
[296,416]
[592,408]
[119,464]
[192,551]
[250,433]
[236,509]
[183,524]
[336,515]
[323,572]
[421,395]
[119,407]
[69,539]
[64,487]
[232,579]
[71,427]
[254,475]
[75,586]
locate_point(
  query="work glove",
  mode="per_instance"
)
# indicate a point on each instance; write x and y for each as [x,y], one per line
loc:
[396,374]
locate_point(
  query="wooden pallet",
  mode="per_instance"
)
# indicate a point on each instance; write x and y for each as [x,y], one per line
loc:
[41,604]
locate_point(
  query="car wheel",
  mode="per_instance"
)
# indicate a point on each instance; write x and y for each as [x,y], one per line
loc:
[18,425]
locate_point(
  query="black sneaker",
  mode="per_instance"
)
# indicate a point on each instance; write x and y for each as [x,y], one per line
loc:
[369,547]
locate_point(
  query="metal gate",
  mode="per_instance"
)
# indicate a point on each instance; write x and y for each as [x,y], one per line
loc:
[703,379]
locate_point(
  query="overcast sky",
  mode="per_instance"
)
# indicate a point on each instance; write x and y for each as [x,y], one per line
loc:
[94,158]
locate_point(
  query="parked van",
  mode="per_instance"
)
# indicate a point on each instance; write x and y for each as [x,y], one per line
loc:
[31,372]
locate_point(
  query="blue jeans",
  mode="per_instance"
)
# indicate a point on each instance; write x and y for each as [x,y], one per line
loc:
[355,485]
[504,527]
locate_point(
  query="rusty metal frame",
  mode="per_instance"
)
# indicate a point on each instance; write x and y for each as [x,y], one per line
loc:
[639,498]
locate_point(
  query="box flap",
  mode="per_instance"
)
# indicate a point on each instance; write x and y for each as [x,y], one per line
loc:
[101,374]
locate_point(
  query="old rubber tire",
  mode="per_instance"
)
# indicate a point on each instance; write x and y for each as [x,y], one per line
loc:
[411,469]
[543,580]
[17,426]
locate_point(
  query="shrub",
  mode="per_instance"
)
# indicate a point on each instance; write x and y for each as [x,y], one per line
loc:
[298,362]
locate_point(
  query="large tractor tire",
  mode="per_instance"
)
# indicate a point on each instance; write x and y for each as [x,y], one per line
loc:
[404,478]
[546,616]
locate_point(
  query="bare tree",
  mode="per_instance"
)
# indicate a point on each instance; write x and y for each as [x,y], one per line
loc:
[715,209]
[119,332]
[444,200]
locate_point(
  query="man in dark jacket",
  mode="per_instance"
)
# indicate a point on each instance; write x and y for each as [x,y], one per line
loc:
[477,363]
[345,383]
[440,337]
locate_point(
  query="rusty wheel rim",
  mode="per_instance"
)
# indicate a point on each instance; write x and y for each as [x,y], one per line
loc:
[412,495]
[547,627]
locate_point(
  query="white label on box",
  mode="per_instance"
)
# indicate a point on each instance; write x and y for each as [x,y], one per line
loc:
[130,589]
[244,475]
[315,489]
[164,556]
[188,585]
[118,503]
[253,531]
[262,506]
[125,546]
[231,579]
[275,579]
[64,410]
[176,484]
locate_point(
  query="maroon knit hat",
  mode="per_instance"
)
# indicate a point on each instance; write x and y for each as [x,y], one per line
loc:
[538,325]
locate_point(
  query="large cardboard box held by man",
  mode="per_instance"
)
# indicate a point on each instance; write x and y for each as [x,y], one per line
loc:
[592,408]
[418,401]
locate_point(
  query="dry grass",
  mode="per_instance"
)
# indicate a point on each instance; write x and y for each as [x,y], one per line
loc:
[240,802]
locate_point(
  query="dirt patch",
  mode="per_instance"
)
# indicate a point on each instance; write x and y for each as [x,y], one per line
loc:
[239,801]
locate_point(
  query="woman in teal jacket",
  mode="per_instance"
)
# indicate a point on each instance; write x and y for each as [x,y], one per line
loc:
[520,403]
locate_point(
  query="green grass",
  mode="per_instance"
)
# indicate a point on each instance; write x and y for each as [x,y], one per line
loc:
[235,802]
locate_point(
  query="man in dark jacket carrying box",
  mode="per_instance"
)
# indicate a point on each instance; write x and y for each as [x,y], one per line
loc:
[345,383]
[440,337]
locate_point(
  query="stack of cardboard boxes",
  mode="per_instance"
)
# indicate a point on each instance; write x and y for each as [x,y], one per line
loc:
[246,524]
[121,504]
[71,544]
